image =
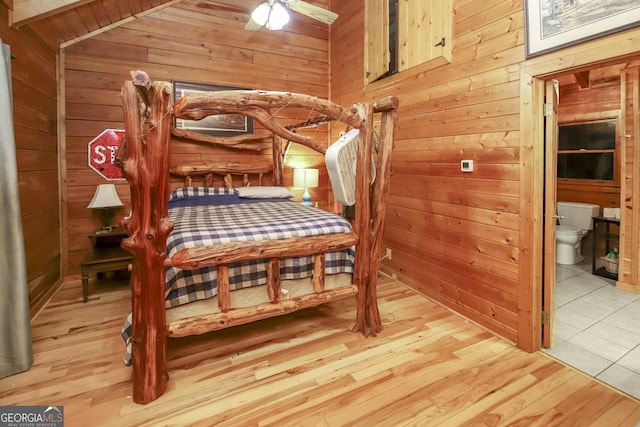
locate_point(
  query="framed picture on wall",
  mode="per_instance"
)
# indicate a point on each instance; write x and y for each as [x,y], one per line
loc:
[554,24]
[221,124]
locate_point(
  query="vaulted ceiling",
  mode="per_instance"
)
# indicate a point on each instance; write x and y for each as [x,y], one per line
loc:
[63,22]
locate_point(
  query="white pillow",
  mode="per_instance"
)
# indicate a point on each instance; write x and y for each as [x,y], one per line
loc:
[264,192]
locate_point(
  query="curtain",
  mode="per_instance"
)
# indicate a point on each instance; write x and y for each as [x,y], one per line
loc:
[15,327]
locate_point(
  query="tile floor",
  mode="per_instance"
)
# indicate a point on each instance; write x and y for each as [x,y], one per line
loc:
[597,327]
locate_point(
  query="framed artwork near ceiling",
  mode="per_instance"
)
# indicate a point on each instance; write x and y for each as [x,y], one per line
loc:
[221,124]
[554,24]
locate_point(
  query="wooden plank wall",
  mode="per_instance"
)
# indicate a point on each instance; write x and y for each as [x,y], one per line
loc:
[629,268]
[35,127]
[194,43]
[458,237]
[454,236]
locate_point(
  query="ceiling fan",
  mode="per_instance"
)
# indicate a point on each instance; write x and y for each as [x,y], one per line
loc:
[273,15]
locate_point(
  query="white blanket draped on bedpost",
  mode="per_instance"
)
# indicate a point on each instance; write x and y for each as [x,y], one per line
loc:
[15,335]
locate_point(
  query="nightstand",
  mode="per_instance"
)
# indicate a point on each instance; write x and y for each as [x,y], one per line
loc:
[106,255]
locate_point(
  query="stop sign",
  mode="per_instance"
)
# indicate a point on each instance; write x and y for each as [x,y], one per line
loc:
[103,150]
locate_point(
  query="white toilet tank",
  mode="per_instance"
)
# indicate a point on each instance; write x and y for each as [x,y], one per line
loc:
[577,215]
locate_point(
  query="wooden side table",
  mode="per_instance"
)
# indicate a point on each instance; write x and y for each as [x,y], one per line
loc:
[106,255]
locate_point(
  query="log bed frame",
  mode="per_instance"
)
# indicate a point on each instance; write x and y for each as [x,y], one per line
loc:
[144,158]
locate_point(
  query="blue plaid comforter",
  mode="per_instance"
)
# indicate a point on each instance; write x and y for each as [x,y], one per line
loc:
[207,216]
[252,220]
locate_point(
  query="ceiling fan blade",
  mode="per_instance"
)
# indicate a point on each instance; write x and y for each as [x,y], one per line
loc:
[312,11]
[252,25]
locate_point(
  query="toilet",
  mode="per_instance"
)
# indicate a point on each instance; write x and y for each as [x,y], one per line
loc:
[575,223]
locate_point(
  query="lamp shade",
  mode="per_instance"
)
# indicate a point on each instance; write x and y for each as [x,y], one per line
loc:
[261,14]
[305,178]
[105,196]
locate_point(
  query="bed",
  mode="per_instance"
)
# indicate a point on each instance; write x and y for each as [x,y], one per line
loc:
[206,216]
[184,285]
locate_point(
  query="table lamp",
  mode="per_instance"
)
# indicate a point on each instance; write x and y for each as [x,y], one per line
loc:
[305,178]
[105,198]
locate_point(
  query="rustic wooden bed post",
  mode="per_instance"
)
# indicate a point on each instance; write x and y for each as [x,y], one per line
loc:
[145,162]
[367,317]
[278,161]
[371,209]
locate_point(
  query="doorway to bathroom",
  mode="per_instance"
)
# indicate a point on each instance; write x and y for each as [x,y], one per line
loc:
[582,163]
[590,322]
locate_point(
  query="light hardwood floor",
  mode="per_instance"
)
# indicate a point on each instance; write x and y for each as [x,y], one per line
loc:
[428,367]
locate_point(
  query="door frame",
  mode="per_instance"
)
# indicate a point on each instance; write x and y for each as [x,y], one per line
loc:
[533,277]
[552,94]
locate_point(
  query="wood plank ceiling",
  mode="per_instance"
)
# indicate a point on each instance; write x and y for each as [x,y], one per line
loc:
[63,22]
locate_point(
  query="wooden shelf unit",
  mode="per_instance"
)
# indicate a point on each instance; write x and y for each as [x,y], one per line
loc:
[607,236]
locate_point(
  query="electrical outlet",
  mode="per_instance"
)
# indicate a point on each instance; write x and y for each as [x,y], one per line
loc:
[388,254]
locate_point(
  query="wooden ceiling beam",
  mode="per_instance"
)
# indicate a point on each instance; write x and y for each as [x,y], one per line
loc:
[25,11]
[582,79]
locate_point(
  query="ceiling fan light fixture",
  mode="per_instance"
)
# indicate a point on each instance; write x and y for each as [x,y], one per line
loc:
[261,14]
[271,14]
[278,17]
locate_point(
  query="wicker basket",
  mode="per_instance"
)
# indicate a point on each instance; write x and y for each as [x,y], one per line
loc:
[610,264]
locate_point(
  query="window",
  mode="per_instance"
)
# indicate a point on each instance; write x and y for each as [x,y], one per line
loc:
[393,38]
[402,34]
[587,151]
